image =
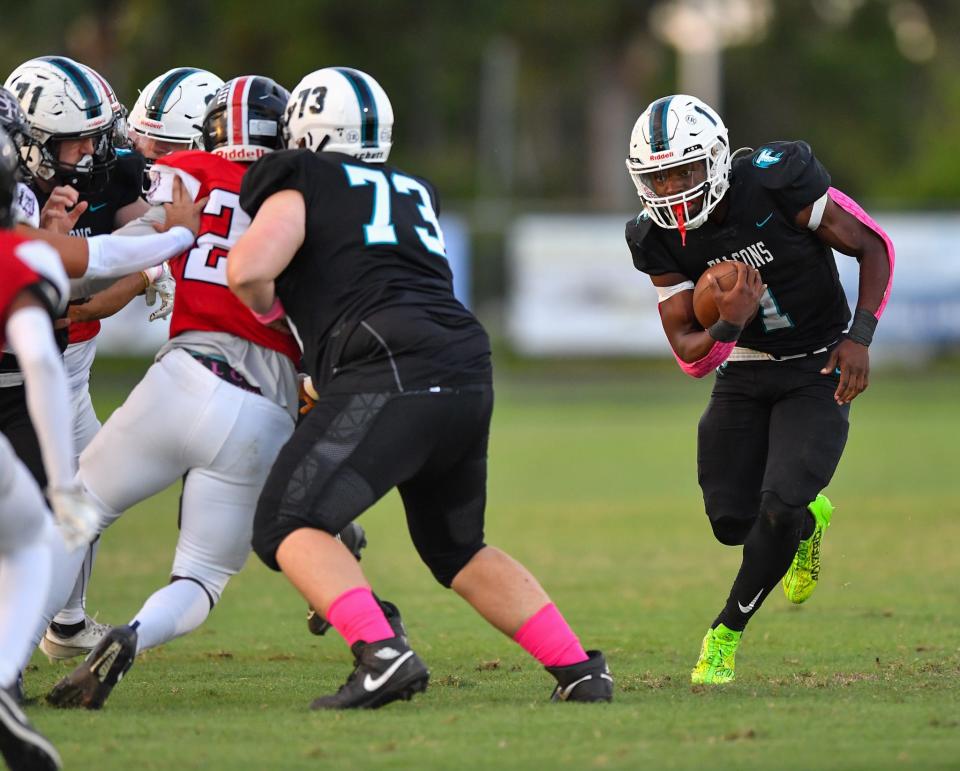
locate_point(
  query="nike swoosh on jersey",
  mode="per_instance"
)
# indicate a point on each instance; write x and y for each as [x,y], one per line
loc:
[97,206]
[765,220]
[371,684]
[743,608]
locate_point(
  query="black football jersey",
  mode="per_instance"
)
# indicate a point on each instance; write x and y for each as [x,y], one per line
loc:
[373,259]
[123,187]
[804,307]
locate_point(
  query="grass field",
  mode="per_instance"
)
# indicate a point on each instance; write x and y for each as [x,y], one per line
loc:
[593,486]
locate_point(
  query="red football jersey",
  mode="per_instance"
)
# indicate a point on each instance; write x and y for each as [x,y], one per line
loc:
[17,276]
[203,301]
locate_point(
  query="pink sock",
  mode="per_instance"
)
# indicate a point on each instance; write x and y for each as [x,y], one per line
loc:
[357,616]
[549,639]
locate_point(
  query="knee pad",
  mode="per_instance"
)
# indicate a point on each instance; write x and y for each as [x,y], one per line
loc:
[446,566]
[213,580]
[779,514]
[731,531]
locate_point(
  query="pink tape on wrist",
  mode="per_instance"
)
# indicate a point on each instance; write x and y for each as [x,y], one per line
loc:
[714,358]
[850,206]
[276,312]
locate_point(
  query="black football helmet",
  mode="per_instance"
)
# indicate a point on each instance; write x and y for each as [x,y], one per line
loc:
[243,121]
[14,122]
[9,161]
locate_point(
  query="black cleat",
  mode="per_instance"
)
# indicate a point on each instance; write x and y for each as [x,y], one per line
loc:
[589,680]
[384,671]
[354,538]
[22,746]
[91,682]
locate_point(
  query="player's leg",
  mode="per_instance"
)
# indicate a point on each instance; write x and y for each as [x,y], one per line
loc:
[216,521]
[25,562]
[348,452]
[798,470]
[17,428]
[445,505]
[24,578]
[228,439]
[72,632]
[732,445]
[132,457]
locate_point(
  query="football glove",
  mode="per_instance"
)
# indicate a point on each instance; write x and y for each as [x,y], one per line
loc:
[308,394]
[160,283]
[77,515]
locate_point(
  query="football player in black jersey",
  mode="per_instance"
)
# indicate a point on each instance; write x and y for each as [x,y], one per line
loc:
[349,249]
[787,365]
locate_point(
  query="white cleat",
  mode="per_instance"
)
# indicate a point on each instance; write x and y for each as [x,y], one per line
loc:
[58,648]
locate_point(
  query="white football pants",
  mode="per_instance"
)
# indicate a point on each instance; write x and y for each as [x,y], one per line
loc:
[77,361]
[26,526]
[182,421]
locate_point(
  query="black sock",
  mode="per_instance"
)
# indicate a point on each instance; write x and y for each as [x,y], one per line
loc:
[68,630]
[809,525]
[767,553]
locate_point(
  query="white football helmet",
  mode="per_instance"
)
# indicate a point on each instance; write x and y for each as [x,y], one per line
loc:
[62,100]
[340,110]
[170,109]
[120,138]
[675,131]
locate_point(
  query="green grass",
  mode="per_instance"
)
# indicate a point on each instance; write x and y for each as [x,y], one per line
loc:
[593,486]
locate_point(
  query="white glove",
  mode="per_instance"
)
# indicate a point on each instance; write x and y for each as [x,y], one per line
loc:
[160,283]
[78,517]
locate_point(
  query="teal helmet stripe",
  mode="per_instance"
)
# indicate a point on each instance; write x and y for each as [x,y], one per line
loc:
[369,120]
[659,110]
[165,90]
[92,102]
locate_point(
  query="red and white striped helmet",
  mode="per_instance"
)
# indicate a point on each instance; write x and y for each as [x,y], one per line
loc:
[243,120]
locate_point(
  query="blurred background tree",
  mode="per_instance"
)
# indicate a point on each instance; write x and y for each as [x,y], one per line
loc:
[520,105]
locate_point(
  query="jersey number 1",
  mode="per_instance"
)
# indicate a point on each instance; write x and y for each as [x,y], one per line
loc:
[380,229]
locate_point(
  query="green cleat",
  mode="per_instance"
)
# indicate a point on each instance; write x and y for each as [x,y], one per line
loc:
[716,664]
[801,577]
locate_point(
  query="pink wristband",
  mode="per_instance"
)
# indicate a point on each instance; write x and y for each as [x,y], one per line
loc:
[276,312]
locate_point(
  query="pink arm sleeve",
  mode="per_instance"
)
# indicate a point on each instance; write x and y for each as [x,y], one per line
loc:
[714,358]
[846,203]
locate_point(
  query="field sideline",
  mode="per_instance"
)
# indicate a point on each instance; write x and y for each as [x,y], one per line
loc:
[593,486]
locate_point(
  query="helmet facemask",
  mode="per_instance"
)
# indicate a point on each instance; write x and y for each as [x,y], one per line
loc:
[691,207]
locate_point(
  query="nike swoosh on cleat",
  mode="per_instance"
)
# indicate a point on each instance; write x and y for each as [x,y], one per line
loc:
[565,692]
[764,221]
[753,602]
[371,684]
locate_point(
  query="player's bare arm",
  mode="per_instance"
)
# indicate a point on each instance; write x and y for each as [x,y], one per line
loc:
[846,234]
[108,302]
[261,254]
[737,306]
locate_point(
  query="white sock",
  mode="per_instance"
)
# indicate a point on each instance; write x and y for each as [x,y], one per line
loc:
[75,610]
[176,609]
[24,582]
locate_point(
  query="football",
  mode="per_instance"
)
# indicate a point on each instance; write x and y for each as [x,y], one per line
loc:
[704,307]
